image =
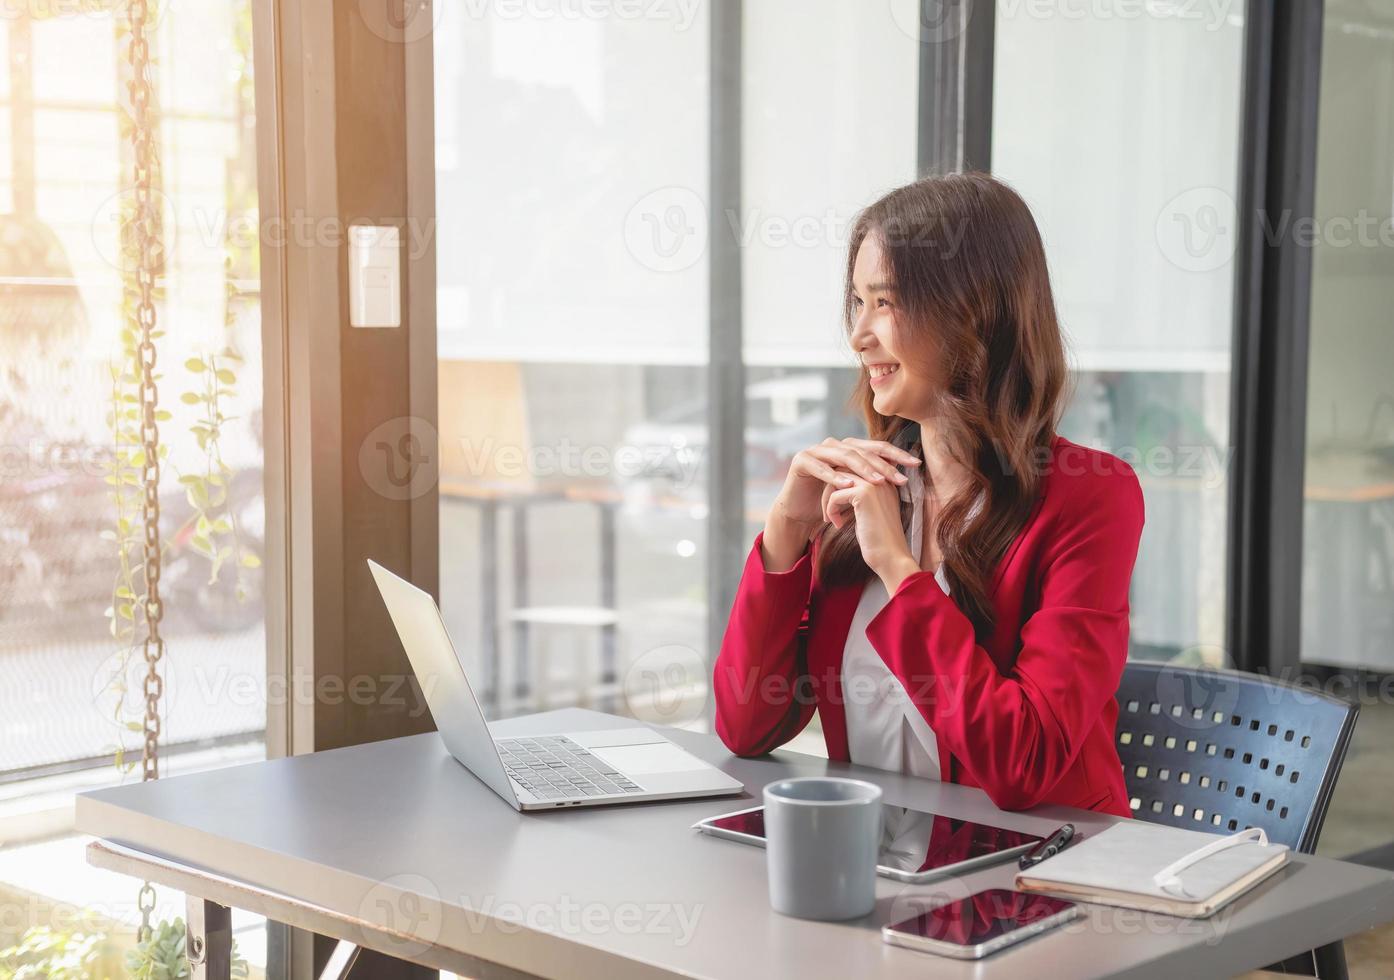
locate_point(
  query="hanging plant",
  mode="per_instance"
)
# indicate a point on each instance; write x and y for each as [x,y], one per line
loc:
[133,474]
[215,534]
[163,956]
[53,954]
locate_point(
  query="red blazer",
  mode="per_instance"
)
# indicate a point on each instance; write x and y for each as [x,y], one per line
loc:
[1028,713]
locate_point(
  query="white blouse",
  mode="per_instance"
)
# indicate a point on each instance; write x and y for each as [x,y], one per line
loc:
[884,729]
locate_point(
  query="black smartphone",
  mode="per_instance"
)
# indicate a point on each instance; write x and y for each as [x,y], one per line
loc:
[981,924]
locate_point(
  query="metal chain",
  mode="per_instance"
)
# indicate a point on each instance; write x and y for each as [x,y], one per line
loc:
[145,224]
[145,901]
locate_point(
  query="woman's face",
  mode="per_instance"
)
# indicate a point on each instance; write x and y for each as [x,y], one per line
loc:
[899,387]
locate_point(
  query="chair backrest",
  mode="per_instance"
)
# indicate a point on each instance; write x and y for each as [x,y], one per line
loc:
[1220,751]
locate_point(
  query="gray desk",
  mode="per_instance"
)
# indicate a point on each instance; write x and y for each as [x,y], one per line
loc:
[396,847]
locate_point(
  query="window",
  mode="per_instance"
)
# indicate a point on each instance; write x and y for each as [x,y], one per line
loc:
[829,124]
[571,167]
[1348,520]
[1121,130]
[72,689]
[571,173]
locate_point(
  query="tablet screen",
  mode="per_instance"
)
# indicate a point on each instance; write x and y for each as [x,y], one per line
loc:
[982,918]
[911,840]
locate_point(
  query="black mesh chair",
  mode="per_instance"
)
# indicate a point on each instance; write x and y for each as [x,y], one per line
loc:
[1221,751]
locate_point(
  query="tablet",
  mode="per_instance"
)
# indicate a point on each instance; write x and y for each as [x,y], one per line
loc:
[980,924]
[915,846]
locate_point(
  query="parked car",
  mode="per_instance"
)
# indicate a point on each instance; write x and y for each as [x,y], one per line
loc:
[58,560]
[665,504]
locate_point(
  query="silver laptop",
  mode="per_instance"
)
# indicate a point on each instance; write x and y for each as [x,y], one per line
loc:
[538,772]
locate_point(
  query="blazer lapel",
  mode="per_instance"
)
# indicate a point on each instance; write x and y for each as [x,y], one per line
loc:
[831,618]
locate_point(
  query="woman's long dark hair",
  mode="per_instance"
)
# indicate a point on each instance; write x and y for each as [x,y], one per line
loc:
[973,296]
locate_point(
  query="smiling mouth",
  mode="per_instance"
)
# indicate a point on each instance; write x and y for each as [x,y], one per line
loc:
[882,370]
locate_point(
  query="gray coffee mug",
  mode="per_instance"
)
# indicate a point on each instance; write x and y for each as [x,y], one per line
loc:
[821,838]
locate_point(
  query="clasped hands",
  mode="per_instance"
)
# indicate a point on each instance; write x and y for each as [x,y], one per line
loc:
[852,480]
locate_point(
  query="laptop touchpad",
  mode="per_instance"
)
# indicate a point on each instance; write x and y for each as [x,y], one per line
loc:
[636,760]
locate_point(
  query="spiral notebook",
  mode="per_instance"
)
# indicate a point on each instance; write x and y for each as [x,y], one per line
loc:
[1154,868]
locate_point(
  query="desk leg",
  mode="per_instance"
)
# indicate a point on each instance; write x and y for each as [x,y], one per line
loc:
[609,599]
[208,940]
[341,961]
[489,601]
[372,965]
[522,677]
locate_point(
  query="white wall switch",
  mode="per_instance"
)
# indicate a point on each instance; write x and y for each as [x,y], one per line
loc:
[375,276]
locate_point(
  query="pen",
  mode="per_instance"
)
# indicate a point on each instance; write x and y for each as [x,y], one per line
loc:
[1049,847]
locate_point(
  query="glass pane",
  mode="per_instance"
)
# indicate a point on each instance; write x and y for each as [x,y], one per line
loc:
[70,683]
[63,41]
[6,161]
[829,94]
[1134,193]
[6,173]
[571,175]
[829,103]
[1348,531]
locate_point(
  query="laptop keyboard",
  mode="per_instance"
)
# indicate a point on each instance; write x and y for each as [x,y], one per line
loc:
[553,767]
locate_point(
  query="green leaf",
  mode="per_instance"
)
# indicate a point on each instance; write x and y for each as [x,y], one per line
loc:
[251,561]
[189,398]
[196,365]
[226,376]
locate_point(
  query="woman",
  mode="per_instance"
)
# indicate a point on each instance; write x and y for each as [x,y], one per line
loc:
[951,593]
